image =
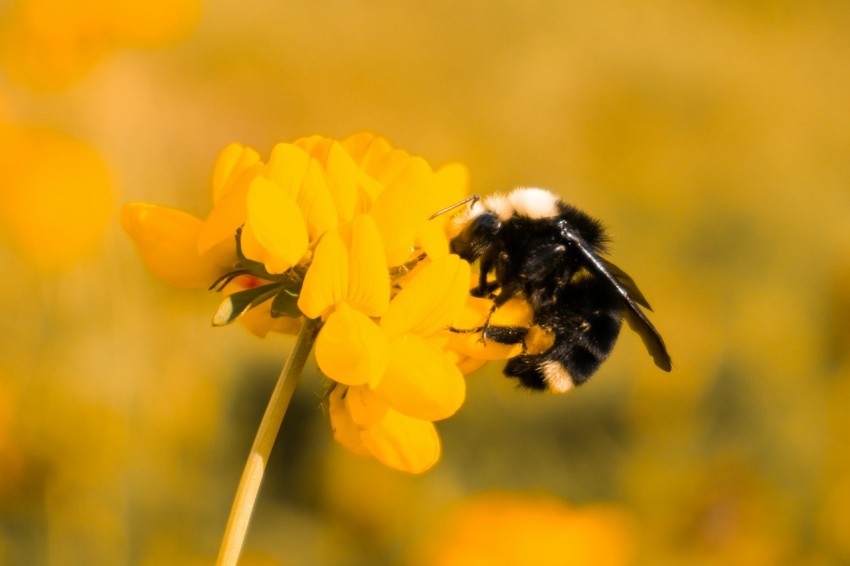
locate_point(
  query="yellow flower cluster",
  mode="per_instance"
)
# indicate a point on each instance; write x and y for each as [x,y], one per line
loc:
[339,231]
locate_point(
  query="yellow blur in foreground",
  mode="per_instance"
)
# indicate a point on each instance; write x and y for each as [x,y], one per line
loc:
[507,529]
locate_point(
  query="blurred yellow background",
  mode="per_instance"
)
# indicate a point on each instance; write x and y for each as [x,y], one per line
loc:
[713,138]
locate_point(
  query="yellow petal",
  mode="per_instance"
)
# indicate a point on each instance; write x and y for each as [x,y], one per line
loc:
[227,215]
[342,174]
[369,286]
[376,156]
[364,406]
[399,210]
[351,349]
[232,161]
[317,146]
[360,144]
[516,312]
[316,202]
[431,300]
[274,233]
[432,239]
[421,381]
[467,365]
[166,239]
[345,430]
[287,167]
[326,282]
[403,443]
[259,322]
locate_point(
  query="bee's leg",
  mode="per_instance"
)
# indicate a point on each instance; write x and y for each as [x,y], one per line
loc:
[485,266]
[499,334]
[485,328]
[466,330]
[508,335]
[488,290]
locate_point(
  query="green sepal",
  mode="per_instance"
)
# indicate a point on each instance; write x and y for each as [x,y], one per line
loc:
[238,303]
[285,304]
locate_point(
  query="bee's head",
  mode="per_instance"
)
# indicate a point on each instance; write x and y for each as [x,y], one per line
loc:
[476,232]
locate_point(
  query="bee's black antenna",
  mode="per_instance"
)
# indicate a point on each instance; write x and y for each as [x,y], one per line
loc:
[473,199]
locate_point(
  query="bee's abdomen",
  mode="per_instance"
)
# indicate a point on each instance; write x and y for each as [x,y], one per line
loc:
[580,347]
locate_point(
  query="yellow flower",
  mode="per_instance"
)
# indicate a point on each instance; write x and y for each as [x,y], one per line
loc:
[340,232]
[389,412]
[365,425]
[399,361]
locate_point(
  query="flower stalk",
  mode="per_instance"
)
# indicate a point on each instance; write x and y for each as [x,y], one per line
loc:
[252,476]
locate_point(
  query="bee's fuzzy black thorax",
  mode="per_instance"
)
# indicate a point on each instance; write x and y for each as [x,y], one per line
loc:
[547,251]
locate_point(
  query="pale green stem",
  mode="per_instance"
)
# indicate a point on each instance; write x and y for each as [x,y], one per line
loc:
[252,476]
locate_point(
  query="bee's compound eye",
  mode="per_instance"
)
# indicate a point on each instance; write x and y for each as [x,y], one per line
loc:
[476,236]
[485,226]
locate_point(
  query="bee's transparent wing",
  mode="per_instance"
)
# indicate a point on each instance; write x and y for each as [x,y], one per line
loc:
[628,283]
[630,294]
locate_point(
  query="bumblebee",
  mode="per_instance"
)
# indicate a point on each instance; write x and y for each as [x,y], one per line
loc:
[531,244]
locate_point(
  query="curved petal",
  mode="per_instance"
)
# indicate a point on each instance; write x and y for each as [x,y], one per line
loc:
[432,299]
[351,349]
[228,214]
[432,239]
[516,312]
[421,381]
[376,156]
[274,233]
[231,162]
[345,430]
[259,322]
[360,144]
[317,146]
[326,282]
[400,209]
[369,284]
[287,167]
[403,443]
[166,239]
[316,202]
[467,365]
[364,406]
[342,182]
